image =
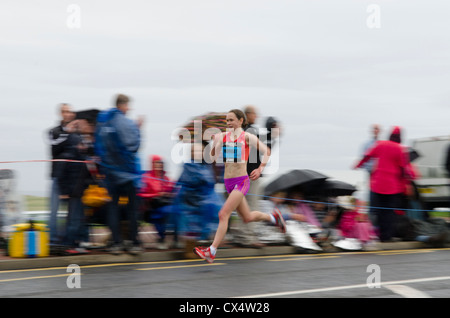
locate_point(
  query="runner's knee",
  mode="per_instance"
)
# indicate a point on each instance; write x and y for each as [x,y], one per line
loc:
[223,215]
[248,218]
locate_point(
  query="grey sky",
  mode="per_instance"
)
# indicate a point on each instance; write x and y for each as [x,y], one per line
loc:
[315,65]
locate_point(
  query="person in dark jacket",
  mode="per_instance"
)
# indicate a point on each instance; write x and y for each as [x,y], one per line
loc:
[77,178]
[61,146]
[273,131]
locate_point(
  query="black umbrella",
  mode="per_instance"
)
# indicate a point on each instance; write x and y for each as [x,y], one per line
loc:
[302,179]
[336,188]
[413,154]
[90,115]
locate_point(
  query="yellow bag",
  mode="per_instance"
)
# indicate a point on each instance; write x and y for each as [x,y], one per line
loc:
[29,240]
[95,196]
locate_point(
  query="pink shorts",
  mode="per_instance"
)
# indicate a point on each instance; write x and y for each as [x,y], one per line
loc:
[240,183]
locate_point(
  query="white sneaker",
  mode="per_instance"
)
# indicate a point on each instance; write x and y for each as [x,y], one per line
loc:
[348,244]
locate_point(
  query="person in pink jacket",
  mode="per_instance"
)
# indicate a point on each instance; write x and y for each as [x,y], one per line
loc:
[387,182]
[156,195]
[155,182]
[353,223]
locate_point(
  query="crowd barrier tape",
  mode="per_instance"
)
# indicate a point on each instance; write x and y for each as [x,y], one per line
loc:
[368,207]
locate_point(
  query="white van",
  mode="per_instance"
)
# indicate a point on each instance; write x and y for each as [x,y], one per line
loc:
[434,182]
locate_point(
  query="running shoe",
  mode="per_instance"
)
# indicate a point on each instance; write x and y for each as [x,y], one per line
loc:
[279,220]
[76,251]
[205,253]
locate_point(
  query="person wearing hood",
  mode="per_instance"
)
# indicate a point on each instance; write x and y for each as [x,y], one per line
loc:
[156,193]
[197,204]
[117,141]
[387,182]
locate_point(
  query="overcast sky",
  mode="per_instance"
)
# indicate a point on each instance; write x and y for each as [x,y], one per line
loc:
[326,69]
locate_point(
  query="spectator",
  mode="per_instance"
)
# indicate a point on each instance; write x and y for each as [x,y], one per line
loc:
[117,143]
[156,194]
[411,198]
[324,212]
[268,234]
[304,213]
[273,135]
[434,232]
[197,201]
[321,218]
[354,226]
[273,131]
[387,181]
[369,165]
[77,176]
[297,229]
[60,149]
[375,130]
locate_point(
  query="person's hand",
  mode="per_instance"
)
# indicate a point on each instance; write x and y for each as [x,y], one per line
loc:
[72,126]
[255,174]
[140,121]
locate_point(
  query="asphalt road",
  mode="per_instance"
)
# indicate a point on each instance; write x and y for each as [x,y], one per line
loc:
[381,274]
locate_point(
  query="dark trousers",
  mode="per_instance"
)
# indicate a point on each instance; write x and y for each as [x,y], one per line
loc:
[384,206]
[113,214]
[76,227]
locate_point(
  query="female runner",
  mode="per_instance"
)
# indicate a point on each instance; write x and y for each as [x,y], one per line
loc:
[235,144]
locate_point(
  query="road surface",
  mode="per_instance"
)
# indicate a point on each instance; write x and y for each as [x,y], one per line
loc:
[397,273]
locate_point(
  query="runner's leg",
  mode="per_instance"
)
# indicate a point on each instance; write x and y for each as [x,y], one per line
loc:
[233,200]
[251,216]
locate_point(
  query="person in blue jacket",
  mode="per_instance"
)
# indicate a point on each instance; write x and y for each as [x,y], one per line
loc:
[116,144]
[196,202]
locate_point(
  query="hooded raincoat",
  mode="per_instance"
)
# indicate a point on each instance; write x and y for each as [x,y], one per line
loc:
[117,141]
[155,183]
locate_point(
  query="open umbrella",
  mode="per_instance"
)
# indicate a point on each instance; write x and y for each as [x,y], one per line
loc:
[335,188]
[303,179]
[413,154]
[90,115]
[208,120]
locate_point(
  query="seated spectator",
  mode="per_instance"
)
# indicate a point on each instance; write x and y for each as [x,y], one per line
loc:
[267,233]
[156,194]
[355,227]
[433,232]
[297,229]
[304,213]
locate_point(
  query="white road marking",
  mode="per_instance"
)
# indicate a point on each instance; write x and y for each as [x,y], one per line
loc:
[327,289]
[406,291]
